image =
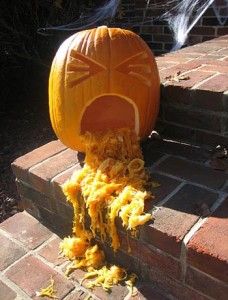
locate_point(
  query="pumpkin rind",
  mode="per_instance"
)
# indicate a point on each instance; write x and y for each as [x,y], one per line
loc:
[98,63]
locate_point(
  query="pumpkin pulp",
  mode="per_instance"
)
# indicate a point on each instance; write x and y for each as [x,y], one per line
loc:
[113,183]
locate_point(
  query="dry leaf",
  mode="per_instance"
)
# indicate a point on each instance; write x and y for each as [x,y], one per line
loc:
[177,77]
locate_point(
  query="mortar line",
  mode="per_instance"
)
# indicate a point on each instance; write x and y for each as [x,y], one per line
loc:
[12,239]
[195,86]
[181,143]
[184,108]
[63,172]
[187,160]
[41,246]
[169,196]
[189,127]
[191,233]
[52,155]
[199,292]
[59,271]
[167,82]
[218,191]
[148,245]
[47,159]
[24,247]
[19,292]
[15,262]
[224,58]
[160,160]
[210,276]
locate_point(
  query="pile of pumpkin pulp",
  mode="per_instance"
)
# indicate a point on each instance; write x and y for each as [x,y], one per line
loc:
[113,183]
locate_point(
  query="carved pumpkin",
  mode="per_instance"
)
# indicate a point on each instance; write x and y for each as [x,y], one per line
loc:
[104,78]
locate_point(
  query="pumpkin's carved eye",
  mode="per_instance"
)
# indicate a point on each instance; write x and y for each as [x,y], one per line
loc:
[137,66]
[80,67]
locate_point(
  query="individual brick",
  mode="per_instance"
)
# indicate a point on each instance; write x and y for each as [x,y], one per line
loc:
[167,185]
[41,175]
[176,95]
[21,165]
[208,248]
[6,292]
[130,263]
[210,21]
[218,83]
[173,288]
[208,138]
[176,131]
[175,218]
[172,147]
[194,98]
[222,31]
[163,38]
[152,29]
[60,179]
[203,30]
[211,61]
[9,252]
[57,223]
[26,229]
[206,284]
[208,100]
[38,199]
[30,207]
[151,257]
[193,172]
[216,68]
[148,291]
[192,118]
[65,210]
[50,252]
[31,274]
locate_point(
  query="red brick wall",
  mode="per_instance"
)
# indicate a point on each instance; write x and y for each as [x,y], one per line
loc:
[194,105]
[157,33]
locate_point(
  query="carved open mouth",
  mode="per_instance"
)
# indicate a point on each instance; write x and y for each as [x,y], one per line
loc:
[110,112]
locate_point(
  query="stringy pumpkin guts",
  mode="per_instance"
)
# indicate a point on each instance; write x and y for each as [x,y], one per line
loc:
[48,291]
[111,184]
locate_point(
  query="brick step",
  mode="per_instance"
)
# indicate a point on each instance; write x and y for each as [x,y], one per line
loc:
[194,104]
[184,250]
[30,257]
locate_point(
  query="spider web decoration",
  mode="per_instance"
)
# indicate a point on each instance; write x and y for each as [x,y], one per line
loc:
[181,16]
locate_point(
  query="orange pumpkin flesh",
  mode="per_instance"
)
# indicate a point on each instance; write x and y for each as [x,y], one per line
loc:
[103,78]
